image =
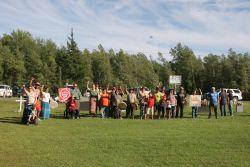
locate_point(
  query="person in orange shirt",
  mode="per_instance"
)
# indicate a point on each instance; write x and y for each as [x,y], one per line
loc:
[104,103]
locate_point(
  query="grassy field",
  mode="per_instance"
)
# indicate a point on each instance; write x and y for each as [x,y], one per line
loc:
[98,142]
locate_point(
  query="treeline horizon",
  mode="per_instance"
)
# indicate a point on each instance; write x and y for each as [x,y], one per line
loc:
[22,56]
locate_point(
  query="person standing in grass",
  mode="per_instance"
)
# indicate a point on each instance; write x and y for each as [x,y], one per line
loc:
[158,94]
[142,102]
[213,102]
[93,101]
[45,102]
[173,102]
[150,106]
[181,98]
[104,103]
[118,100]
[194,108]
[223,102]
[131,103]
[165,105]
[230,102]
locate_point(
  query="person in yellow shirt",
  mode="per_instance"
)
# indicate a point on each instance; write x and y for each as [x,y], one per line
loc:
[158,95]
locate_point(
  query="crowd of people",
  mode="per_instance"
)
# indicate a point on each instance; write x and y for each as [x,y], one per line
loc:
[112,101]
[157,104]
[160,103]
[37,102]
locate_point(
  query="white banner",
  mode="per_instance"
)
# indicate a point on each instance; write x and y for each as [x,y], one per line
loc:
[175,79]
[195,100]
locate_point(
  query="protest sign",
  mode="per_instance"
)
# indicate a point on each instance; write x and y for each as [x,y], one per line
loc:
[64,94]
[195,100]
[175,79]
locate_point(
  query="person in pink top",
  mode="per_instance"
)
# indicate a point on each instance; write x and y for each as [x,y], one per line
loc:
[173,103]
[150,105]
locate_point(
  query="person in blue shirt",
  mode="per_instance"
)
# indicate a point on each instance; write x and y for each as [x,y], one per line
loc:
[213,99]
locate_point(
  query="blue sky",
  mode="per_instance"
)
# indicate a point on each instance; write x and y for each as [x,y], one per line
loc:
[149,26]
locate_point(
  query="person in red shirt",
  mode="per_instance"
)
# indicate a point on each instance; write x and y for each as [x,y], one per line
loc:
[72,107]
[150,105]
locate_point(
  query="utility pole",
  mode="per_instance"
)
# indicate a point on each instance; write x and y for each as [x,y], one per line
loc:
[60,76]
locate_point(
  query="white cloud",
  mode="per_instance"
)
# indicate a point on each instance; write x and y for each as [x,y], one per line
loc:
[205,26]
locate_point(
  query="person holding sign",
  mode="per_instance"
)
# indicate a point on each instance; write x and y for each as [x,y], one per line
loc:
[196,99]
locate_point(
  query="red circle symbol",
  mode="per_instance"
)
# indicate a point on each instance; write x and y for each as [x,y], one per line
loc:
[64,94]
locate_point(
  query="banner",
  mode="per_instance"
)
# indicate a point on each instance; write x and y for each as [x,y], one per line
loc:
[64,94]
[195,100]
[175,79]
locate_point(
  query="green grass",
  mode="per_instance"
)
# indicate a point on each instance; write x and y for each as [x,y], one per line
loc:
[98,142]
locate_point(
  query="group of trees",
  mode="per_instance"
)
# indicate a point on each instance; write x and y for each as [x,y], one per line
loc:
[23,57]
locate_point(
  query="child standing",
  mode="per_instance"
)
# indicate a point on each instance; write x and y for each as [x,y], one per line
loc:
[150,105]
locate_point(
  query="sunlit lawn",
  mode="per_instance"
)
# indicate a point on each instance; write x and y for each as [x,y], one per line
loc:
[109,142]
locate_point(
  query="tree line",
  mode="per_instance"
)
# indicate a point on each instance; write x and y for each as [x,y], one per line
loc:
[22,56]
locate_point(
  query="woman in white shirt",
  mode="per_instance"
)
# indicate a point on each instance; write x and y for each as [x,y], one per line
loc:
[45,102]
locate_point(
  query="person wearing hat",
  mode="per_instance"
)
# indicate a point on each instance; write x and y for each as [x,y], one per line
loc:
[213,102]
[37,90]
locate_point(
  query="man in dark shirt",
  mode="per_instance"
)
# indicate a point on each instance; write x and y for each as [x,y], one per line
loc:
[230,102]
[180,102]
[223,102]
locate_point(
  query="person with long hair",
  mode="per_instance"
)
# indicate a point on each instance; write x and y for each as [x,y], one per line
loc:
[93,100]
[45,102]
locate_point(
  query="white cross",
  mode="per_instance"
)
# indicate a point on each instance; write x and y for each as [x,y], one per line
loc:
[21,101]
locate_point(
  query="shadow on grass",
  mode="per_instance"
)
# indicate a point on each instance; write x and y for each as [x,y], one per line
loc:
[243,115]
[11,120]
[61,115]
